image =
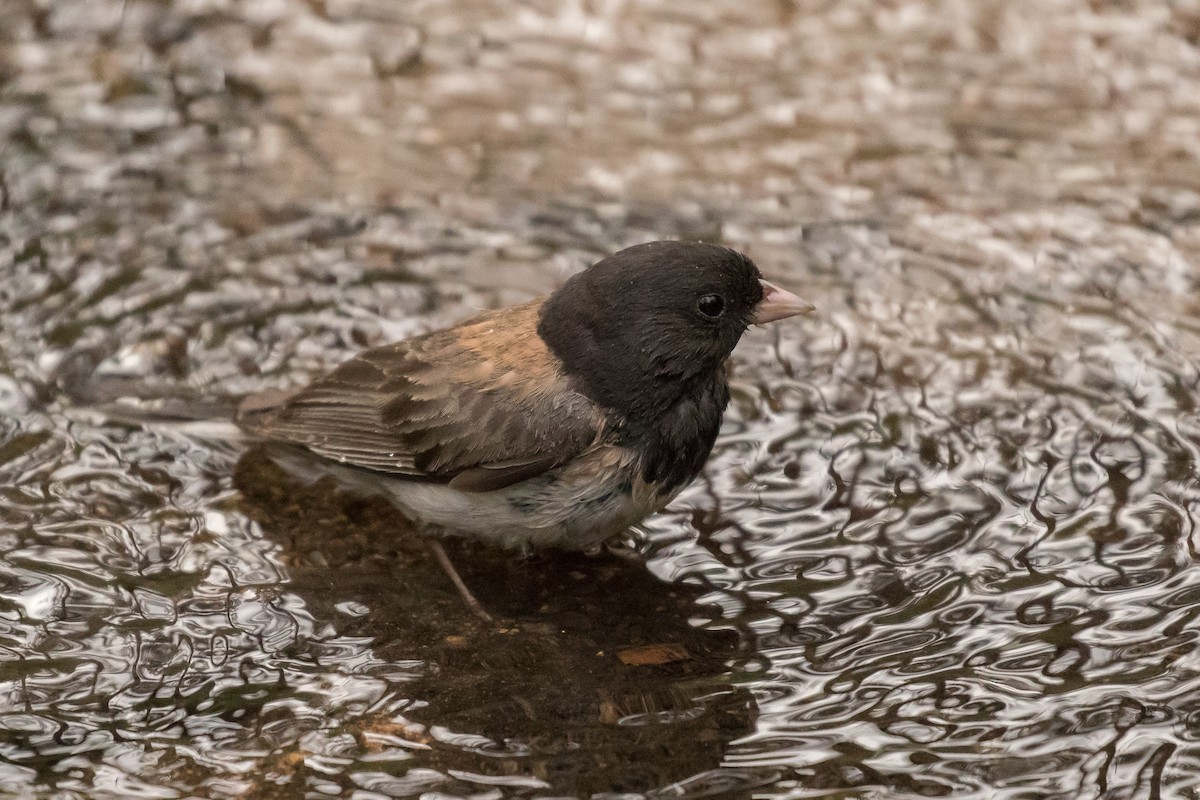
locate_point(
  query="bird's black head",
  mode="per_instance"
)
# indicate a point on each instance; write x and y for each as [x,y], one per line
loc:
[652,323]
[645,333]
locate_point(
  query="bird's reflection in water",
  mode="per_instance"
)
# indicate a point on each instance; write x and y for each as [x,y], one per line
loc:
[591,680]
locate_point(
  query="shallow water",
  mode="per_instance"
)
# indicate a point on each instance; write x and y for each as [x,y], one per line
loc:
[946,545]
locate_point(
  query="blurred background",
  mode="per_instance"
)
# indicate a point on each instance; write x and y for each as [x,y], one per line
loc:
[946,545]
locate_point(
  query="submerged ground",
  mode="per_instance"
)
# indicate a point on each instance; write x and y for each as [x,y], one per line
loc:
[946,545]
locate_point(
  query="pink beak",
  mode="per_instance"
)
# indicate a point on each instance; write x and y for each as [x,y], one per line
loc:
[778,304]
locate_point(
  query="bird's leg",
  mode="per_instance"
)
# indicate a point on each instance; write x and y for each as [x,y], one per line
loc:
[624,547]
[439,553]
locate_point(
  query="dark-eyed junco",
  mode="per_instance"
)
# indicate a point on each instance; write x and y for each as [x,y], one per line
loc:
[559,422]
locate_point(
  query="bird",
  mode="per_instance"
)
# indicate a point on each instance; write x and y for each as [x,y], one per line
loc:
[557,423]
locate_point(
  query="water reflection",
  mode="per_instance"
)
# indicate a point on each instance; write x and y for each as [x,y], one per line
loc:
[951,521]
[543,699]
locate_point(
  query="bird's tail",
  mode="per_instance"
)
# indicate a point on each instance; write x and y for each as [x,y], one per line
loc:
[205,420]
[135,402]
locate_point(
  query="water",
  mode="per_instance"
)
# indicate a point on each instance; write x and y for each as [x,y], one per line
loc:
[946,545]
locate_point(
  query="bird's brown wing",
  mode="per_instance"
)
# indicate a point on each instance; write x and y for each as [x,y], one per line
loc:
[482,406]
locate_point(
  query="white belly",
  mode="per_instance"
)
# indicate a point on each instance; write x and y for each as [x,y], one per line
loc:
[575,507]
[537,516]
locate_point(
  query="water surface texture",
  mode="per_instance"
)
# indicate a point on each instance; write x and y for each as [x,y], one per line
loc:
[946,546]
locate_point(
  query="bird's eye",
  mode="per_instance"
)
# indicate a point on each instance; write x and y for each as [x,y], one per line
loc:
[711,305]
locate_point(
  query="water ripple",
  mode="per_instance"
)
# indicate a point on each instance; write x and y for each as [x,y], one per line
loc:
[946,545]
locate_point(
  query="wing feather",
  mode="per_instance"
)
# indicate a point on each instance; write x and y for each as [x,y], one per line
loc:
[448,406]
